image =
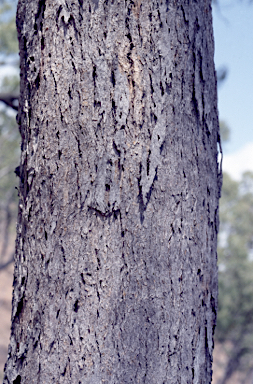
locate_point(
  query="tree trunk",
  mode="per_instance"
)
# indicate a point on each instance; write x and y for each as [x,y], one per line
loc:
[115,268]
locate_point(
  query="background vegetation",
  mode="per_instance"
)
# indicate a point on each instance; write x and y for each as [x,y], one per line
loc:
[9,134]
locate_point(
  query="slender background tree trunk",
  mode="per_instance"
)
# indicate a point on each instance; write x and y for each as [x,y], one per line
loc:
[115,269]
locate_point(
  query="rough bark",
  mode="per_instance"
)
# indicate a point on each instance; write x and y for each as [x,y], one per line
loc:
[115,268]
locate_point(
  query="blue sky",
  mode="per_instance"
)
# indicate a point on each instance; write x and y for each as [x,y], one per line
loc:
[233,31]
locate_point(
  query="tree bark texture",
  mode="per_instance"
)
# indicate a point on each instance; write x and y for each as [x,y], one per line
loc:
[115,268]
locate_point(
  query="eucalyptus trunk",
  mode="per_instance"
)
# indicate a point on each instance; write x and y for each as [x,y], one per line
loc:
[115,269]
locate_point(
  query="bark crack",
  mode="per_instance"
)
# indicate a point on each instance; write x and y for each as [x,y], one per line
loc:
[104,214]
[144,198]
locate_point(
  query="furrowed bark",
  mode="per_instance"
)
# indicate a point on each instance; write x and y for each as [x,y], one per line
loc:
[115,268]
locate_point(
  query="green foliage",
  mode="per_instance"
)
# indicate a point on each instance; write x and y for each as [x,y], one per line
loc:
[9,159]
[9,151]
[10,85]
[8,33]
[235,250]
[224,131]
[9,134]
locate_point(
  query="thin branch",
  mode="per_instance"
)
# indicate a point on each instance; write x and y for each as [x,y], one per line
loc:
[11,100]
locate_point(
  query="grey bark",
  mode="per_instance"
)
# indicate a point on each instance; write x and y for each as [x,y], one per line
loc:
[115,269]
